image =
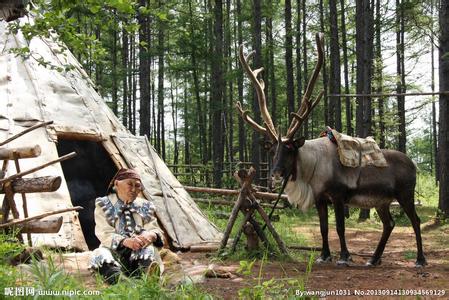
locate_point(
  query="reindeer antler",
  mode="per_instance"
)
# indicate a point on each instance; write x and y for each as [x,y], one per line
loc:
[307,105]
[259,85]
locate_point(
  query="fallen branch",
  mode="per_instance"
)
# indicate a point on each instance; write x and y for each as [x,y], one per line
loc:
[16,222]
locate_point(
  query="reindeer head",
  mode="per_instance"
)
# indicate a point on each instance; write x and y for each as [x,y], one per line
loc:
[284,148]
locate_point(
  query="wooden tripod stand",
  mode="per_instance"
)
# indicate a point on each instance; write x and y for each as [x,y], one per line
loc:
[248,205]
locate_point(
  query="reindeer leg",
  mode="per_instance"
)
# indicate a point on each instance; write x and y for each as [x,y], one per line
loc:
[321,206]
[388,225]
[339,209]
[408,204]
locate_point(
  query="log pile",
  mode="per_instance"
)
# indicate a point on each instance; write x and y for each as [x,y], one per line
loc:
[16,184]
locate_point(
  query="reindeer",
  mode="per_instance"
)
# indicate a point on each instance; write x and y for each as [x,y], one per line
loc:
[316,176]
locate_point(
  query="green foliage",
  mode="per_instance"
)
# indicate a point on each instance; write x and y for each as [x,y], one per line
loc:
[410,255]
[46,275]
[9,247]
[246,267]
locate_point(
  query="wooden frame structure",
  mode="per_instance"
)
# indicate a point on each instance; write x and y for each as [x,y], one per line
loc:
[13,184]
[248,205]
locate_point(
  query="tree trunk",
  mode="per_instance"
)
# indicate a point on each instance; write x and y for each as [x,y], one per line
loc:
[257,62]
[335,78]
[134,83]
[144,72]
[364,54]
[379,76]
[400,74]
[348,108]
[242,134]
[114,70]
[289,58]
[217,94]
[160,87]
[174,116]
[187,158]
[324,71]
[443,155]
[125,73]
[304,61]
[434,118]
[230,111]
[196,86]
[299,74]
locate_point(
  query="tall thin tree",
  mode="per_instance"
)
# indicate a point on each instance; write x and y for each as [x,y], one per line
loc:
[217,94]
[335,78]
[443,140]
[290,91]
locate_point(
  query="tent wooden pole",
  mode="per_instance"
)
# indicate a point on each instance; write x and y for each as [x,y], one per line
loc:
[60,211]
[24,198]
[8,202]
[25,131]
[21,174]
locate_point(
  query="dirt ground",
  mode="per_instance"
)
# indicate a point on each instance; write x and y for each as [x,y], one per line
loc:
[397,271]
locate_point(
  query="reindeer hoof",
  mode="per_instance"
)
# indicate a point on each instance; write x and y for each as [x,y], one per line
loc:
[343,262]
[373,262]
[420,263]
[321,260]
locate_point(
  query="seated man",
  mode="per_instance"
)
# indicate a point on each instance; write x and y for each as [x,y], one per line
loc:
[127,229]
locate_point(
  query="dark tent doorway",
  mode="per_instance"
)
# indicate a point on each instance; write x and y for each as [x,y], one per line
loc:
[88,176]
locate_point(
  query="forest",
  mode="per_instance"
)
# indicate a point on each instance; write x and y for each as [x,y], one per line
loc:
[170,70]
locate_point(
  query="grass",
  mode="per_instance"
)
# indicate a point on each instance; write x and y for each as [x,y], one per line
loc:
[290,227]
[44,277]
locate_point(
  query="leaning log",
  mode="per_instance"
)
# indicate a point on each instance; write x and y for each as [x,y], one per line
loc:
[23,173]
[25,131]
[21,221]
[225,192]
[35,185]
[22,152]
[42,226]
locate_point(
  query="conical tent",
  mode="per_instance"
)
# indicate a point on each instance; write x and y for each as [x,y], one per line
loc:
[31,92]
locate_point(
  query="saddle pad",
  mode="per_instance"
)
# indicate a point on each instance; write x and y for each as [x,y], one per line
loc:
[358,152]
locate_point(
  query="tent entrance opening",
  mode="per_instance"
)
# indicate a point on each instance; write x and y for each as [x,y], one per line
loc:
[88,175]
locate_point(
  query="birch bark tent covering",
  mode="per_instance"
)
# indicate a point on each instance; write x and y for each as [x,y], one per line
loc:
[31,92]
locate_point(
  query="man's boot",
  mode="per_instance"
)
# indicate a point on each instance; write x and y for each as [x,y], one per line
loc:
[110,272]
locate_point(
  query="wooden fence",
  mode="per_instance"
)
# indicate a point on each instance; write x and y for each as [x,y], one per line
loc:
[202,174]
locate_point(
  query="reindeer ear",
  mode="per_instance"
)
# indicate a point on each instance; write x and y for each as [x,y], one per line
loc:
[267,145]
[299,142]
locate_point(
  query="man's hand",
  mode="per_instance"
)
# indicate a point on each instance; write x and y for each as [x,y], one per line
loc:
[133,243]
[148,237]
